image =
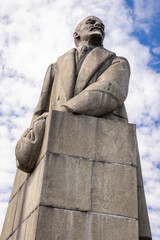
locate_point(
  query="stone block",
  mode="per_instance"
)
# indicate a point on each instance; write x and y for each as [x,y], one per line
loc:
[144,229]
[116,142]
[10,218]
[92,138]
[67,224]
[102,227]
[61,224]
[27,230]
[67,182]
[31,227]
[19,180]
[114,189]
[20,209]
[19,234]
[139,172]
[72,135]
[29,195]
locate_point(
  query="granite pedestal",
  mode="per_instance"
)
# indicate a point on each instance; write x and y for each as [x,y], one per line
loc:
[87,184]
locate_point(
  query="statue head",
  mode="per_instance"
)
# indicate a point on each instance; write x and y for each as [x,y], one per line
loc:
[90,31]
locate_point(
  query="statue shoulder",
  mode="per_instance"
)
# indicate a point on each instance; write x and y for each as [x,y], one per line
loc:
[115,57]
[109,52]
[122,62]
[71,51]
[120,58]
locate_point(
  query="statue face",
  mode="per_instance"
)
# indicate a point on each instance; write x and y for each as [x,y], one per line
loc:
[91,30]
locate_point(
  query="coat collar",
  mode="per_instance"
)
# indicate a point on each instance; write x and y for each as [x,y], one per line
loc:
[67,70]
[91,64]
[67,64]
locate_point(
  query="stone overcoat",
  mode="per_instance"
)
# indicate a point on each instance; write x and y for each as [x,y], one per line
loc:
[99,89]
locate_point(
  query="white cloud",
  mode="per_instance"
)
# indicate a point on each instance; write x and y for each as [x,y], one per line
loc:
[33,34]
[156,50]
[145,12]
[146,9]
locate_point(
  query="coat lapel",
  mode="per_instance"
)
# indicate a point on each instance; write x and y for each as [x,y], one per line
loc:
[66,66]
[91,64]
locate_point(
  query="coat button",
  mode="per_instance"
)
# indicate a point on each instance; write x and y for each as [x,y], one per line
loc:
[58,97]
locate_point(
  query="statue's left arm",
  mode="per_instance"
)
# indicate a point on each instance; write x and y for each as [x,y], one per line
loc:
[106,94]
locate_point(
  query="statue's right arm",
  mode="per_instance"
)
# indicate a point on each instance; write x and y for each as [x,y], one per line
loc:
[43,104]
[32,138]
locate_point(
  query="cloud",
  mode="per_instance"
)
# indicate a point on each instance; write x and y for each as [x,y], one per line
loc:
[145,13]
[156,50]
[34,33]
[146,10]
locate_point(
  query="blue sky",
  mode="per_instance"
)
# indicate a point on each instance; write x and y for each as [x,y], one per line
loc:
[34,34]
[147,30]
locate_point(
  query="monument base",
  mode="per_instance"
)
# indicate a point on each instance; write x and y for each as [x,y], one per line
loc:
[84,186]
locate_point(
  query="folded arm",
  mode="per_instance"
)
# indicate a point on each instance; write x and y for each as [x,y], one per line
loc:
[106,94]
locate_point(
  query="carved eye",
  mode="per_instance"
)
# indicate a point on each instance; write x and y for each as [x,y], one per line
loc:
[90,21]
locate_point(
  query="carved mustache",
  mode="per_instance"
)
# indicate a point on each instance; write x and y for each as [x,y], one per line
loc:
[97,28]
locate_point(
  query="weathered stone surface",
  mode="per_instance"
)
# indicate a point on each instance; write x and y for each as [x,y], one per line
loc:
[102,227]
[66,224]
[116,142]
[80,141]
[67,183]
[9,219]
[27,230]
[29,195]
[31,227]
[144,226]
[20,178]
[20,209]
[144,231]
[115,190]
[99,139]
[139,172]
[19,234]
[61,224]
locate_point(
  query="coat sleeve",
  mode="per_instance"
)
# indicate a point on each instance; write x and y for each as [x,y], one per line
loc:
[106,94]
[44,99]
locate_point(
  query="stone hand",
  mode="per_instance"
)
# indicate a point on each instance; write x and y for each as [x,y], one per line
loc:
[43,116]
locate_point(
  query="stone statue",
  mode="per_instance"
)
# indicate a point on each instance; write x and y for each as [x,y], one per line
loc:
[87,179]
[89,80]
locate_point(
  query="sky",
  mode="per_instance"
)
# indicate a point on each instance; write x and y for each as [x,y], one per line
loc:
[34,33]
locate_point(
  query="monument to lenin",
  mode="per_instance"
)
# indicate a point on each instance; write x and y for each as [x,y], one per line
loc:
[79,173]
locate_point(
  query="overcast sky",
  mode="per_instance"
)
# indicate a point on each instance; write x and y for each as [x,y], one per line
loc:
[33,33]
